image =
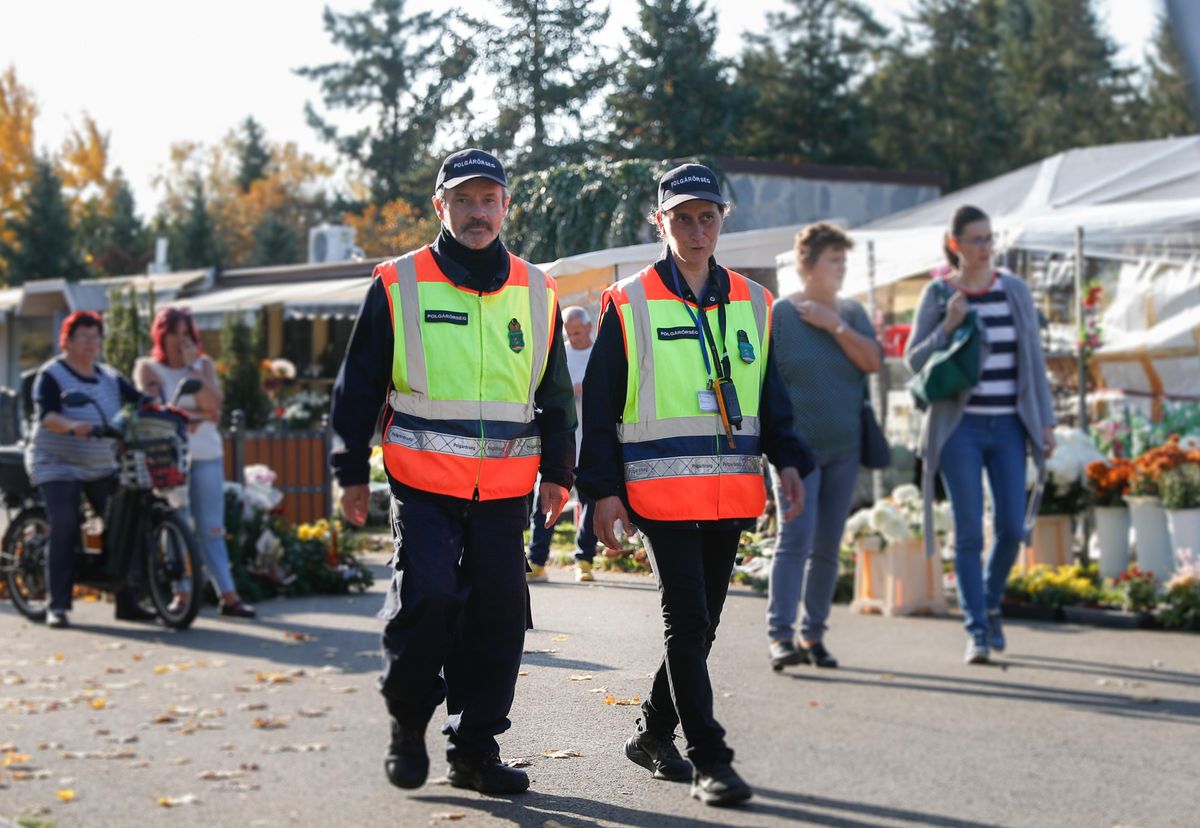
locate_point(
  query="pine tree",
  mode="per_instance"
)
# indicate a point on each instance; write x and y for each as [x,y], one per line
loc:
[939,105]
[404,73]
[126,329]
[803,81]
[546,64]
[253,154]
[113,239]
[1064,88]
[276,242]
[672,98]
[239,371]
[1171,95]
[194,240]
[40,242]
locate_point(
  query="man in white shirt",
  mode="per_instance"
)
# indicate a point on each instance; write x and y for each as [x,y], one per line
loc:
[577,328]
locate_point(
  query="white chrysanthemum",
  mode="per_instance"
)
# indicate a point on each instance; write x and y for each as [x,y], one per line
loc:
[857,523]
[1190,442]
[943,518]
[889,522]
[907,493]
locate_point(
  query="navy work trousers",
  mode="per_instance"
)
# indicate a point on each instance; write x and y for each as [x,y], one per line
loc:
[455,615]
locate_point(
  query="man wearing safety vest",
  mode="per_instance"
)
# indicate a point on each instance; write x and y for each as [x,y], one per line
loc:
[680,401]
[457,357]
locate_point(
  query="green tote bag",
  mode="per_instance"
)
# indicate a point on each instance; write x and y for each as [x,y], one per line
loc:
[956,367]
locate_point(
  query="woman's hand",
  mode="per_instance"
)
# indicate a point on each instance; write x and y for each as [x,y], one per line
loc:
[81,429]
[818,315]
[1048,439]
[190,352]
[791,492]
[956,312]
[608,511]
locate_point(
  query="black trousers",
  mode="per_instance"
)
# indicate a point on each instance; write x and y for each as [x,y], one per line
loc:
[693,563]
[456,616]
[61,498]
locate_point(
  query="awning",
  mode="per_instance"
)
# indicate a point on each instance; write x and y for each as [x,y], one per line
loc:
[337,298]
[1160,360]
[300,300]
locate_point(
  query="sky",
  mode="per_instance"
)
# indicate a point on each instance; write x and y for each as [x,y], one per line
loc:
[155,72]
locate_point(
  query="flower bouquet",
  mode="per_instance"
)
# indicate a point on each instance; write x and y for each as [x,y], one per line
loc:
[1065,492]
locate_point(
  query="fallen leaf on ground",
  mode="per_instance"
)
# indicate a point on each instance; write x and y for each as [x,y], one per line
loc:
[559,637]
[299,636]
[14,759]
[312,712]
[579,678]
[343,689]
[314,747]
[176,801]
[450,815]
[98,704]
[163,718]
[273,678]
[218,775]
[523,673]
[253,706]
[887,677]
[611,699]
[540,652]
[519,762]
[554,753]
[267,723]
[66,795]
[814,703]
[181,760]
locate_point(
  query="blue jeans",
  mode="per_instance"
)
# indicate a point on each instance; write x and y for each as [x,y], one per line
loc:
[996,445]
[805,563]
[206,498]
[540,536]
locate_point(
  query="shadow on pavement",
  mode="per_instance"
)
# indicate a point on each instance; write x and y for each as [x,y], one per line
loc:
[865,809]
[533,809]
[1099,668]
[1110,703]
[551,660]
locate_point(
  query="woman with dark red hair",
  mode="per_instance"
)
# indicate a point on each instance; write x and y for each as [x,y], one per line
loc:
[176,355]
[65,461]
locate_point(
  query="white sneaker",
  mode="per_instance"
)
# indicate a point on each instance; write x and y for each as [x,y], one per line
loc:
[57,618]
[977,650]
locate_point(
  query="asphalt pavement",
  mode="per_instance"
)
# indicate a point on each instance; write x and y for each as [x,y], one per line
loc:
[277,722]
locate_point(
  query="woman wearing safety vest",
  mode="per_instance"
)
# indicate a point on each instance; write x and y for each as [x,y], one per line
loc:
[680,401]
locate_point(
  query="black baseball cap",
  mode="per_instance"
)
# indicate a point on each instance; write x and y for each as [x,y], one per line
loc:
[686,182]
[467,164]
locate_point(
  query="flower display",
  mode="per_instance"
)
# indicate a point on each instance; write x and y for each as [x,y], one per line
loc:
[896,519]
[1109,481]
[1065,492]
[1041,585]
[1149,467]
[1134,590]
[1181,601]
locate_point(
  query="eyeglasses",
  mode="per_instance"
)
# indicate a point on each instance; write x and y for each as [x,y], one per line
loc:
[979,241]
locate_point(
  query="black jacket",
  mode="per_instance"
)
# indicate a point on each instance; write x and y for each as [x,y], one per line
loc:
[364,379]
[601,473]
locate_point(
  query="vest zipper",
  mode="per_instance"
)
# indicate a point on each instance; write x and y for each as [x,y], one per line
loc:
[479,395]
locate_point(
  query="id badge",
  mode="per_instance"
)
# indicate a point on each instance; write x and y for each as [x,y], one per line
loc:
[708,401]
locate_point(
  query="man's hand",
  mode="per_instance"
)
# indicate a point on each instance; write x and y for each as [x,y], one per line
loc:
[551,500]
[791,490]
[608,511]
[354,503]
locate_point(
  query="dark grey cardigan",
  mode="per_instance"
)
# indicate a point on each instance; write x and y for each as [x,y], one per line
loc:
[1034,406]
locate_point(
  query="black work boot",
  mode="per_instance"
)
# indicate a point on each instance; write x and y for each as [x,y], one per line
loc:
[406,762]
[719,785]
[657,753]
[486,774]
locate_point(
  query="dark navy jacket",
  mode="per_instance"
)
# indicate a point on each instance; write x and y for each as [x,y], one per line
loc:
[365,377]
[601,472]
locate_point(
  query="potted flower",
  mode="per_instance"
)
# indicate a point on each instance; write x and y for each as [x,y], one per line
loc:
[1179,488]
[1180,607]
[1064,496]
[1152,540]
[1043,592]
[1130,599]
[891,573]
[1107,484]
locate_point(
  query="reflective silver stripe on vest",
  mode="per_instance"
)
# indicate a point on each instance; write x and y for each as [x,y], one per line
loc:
[422,406]
[410,302]
[539,308]
[703,426]
[644,336]
[463,446]
[692,467]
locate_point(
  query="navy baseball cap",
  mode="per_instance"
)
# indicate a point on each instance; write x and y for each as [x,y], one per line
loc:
[467,164]
[686,182]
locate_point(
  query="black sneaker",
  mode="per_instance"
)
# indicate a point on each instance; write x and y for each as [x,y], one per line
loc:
[785,654]
[658,755]
[486,774]
[719,785]
[133,611]
[818,655]
[406,762]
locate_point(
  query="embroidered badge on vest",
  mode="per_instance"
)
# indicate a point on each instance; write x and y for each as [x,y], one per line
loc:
[516,339]
[453,317]
[745,349]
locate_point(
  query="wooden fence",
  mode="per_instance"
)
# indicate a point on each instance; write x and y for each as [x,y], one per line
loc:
[300,460]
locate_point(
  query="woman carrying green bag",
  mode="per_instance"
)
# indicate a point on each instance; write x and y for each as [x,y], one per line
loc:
[987,427]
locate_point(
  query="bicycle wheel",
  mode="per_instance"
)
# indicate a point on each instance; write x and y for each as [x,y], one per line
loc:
[23,560]
[172,559]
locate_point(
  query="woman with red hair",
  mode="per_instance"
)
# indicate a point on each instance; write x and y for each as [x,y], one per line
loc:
[176,355]
[65,461]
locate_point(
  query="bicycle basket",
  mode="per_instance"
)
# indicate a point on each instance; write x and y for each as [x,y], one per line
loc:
[158,436]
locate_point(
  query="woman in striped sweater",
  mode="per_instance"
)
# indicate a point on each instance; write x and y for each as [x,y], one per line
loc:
[988,428]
